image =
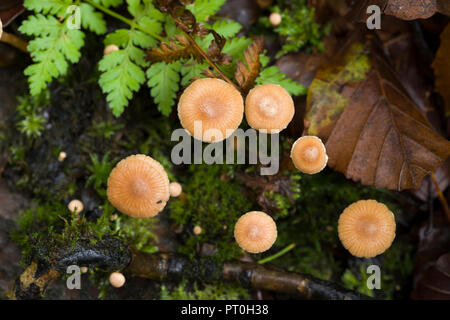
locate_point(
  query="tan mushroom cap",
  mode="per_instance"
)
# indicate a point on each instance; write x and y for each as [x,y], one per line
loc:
[138,186]
[117,279]
[366,228]
[309,155]
[269,107]
[1,28]
[217,104]
[255,231]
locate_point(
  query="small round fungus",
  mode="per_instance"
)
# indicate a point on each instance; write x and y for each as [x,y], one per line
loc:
[1,28]
[84,269]
[138,186]
[62,156]
[366,228]
[110,48]
[309,155]
[197,230]
[210,109]
[269,107]
[117,279]
[275,19]
[175,189]
[255,231]
[75,206]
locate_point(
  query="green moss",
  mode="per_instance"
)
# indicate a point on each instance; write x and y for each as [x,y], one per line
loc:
[99,172]
[298,27]
[218,291]
[313,226]
[214,204]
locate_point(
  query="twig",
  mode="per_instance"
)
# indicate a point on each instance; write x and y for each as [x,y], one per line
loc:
[167,266]
[204,55]
[14,41]
[441,196]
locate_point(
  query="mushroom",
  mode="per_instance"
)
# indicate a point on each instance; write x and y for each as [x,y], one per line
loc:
[275,19]
[62,156]
[269,107]
[175,189]
[197,230]
[110,48]
[214,104]
[1,28]
[138,186]
[75,206]
[117,279]
[309,155]
[366,228]
[255,231]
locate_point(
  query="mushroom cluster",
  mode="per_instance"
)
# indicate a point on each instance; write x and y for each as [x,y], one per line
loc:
[366,228]
[217,108]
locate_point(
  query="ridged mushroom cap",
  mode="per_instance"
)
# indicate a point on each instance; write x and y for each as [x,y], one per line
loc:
[309,155]
[269,107]
[255,231]
[217,104]
[138,186]
[366,228]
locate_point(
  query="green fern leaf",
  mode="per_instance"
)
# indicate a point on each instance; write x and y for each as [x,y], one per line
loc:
[91,19]
[57,7]
[273,75]
[52,49]
[203,9]
[190,70]
[227,28]
[163,79]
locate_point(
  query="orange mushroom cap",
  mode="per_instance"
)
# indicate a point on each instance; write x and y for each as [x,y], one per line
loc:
[269,107]
[366,228]
[138,186]
[217,104]
[309,155]
[255,231]
[175,189]
[117,279]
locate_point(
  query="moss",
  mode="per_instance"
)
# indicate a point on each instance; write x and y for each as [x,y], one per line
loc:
[218,291]
[214,204]
[313,226]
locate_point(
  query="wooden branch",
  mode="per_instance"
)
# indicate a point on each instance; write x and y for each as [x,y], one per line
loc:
[175,267]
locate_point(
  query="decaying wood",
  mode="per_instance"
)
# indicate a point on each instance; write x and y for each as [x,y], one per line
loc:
[175,267]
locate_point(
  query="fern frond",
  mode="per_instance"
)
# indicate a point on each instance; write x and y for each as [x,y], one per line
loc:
[203,9]
[163,79]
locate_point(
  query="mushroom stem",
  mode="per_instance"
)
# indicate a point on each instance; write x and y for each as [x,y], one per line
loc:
[441,196]
[14,41]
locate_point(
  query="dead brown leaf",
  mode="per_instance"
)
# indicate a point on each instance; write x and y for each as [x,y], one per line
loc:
[246,73]
[435,282]
[374,132]
[441,67]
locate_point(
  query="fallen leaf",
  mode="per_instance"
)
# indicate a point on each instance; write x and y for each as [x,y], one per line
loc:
[402,9]
[441,67]
[374,132]
[435,282]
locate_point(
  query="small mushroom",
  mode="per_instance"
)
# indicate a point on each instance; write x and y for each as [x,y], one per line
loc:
[110,48]
[175,189]
[255,231]
[366,228]
[214,104]
[84,269]
[75,206]
[275,19]
[1,28]
[197,230]
[117,279]
[62,156]
[269,107]
[309,155]
[138,186]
